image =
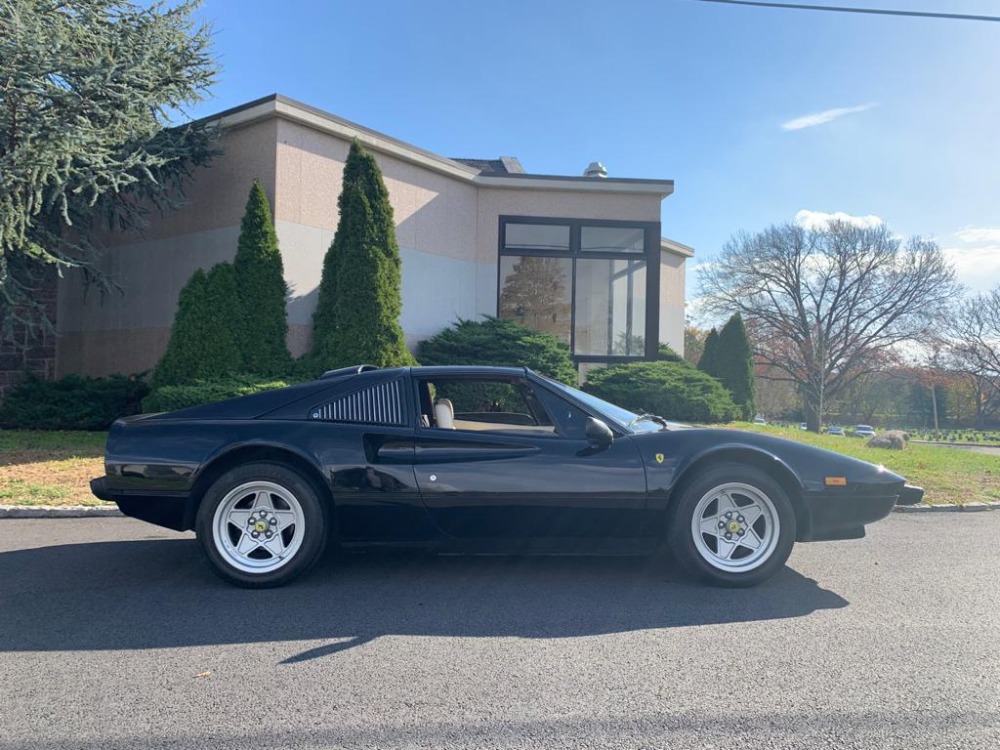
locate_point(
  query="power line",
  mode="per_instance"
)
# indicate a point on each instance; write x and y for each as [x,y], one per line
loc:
[869,11]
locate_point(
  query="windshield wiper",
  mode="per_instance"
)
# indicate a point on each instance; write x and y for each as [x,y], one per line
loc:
[649,418]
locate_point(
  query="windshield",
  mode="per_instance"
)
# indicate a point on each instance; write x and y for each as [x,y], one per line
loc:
[627,420]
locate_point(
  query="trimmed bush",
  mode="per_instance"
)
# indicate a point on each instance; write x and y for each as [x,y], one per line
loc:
[203,338]
[71,403]
[502,343]
[357,313]
[666,354]
[674,390]
[261,291]
[174,397]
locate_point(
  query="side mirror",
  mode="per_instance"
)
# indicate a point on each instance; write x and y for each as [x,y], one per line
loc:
[598,433]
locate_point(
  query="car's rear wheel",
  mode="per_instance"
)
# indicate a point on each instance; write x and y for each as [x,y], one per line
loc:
[732,526]
[261,525]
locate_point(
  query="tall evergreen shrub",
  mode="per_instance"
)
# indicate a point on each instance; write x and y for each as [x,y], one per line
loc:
[710,358]
[360,301]
[736,365]
[203,340]
[261,291]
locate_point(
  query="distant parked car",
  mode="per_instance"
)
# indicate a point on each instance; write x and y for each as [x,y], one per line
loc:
[759,420]
[864,431]
[803,426]
[835,431]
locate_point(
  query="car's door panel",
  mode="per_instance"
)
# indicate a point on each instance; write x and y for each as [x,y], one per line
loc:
[489,485]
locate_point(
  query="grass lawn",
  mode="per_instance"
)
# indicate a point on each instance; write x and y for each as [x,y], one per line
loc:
[948,475]
[50,468]
[54,468]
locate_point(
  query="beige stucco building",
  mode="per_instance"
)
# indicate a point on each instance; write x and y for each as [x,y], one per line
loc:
[581,257]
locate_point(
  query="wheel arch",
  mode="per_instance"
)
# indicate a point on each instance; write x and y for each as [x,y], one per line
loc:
[770,464]
[256,453]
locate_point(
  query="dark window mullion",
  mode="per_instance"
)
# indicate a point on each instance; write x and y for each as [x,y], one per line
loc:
[572,309]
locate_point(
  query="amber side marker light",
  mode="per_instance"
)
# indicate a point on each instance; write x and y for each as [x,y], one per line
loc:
[836,481]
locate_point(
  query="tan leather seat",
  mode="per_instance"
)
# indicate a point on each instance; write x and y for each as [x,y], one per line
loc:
[444,414]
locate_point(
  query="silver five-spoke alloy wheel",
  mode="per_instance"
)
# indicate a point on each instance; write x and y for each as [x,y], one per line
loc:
[735,527]
[258,527]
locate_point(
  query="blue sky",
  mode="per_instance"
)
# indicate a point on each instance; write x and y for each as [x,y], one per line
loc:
[707,95]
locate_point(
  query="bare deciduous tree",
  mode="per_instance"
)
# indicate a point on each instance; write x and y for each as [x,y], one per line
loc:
[825,306]
[974,330]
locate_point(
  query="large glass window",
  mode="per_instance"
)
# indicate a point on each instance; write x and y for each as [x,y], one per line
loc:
[587,282]
[536,291]
[610,307]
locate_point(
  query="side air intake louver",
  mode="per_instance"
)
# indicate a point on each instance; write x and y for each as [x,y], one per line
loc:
[377,404]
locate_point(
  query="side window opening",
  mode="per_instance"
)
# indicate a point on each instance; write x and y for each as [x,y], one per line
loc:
[483,405]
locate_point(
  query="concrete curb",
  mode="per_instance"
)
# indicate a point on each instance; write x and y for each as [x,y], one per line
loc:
[967,508]
[98,511]
[57,511]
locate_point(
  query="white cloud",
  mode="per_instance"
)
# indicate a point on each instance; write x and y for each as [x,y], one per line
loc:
[976,235]
[821,220]
[976,267]
[977,264]
[827,115]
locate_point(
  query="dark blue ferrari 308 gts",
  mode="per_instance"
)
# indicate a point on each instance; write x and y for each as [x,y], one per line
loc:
[478,459]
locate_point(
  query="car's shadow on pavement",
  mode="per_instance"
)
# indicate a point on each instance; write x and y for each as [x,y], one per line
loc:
[160,593]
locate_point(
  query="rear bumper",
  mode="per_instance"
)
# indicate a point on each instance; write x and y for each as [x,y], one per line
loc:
[99,489]
[171,510]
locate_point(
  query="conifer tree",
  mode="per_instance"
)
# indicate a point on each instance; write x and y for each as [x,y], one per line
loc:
[736,365]
[709,362]
[203,338]
[88,139]
[357,314]
[261,291]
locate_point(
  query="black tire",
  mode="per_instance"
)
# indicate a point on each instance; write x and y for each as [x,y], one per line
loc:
[259,479]
[698,558]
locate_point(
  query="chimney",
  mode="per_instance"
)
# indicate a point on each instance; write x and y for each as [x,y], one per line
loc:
[595,169]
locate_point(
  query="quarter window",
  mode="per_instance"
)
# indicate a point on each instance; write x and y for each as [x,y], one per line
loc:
[377,404]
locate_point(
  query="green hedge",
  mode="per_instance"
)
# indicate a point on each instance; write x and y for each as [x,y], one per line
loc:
[502,343]
[675,390]
[174,397]
[71,403]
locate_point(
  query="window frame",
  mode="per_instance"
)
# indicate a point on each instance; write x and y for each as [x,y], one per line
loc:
[651,254]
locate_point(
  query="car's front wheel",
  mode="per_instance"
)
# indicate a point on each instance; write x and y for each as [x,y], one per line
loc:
[261,525]
[732,526]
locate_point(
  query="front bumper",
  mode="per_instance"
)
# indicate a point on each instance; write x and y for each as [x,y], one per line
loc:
[834,515]
[910,495]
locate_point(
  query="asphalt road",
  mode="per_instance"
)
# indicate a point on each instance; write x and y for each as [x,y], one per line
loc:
[114,634]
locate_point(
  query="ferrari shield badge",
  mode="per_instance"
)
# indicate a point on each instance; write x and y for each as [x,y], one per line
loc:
[659,458]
